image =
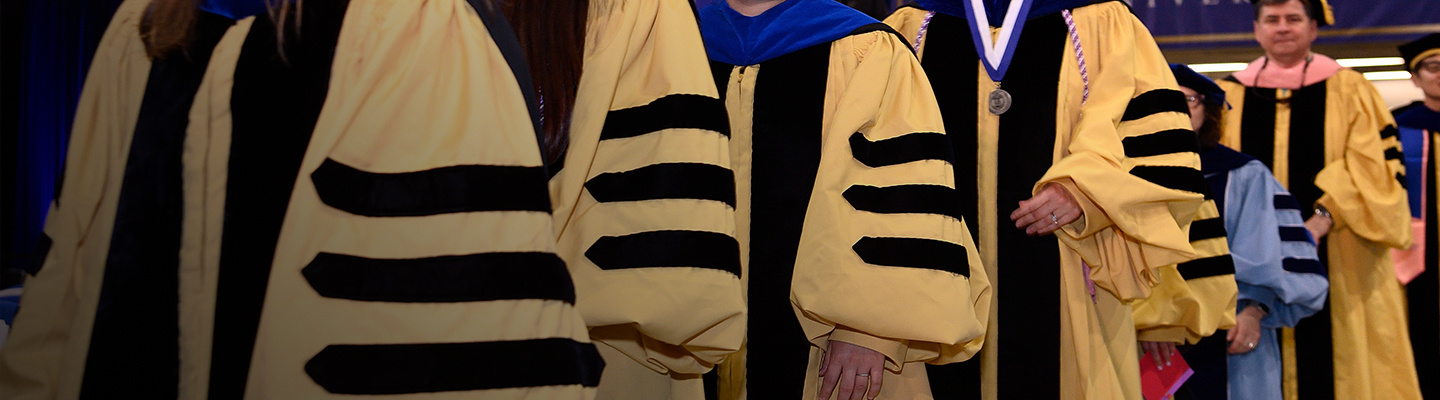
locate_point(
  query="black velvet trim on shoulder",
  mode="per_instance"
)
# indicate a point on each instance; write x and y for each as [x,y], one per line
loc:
[881,26]
[1155,102]
[443,367]
[676,111]
[1160,143]
[665,181]
[901,149]
[661,249]
[444,279]
[444,190]
[914,253]
[1207,267]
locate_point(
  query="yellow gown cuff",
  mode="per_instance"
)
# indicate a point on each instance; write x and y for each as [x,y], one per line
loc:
[1172,334]
[894,350]
[1091,220]
[1329,203]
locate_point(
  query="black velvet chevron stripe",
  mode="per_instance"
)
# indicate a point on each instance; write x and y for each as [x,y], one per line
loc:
[1207,267]
[659,249]
[1178,178]
[1401,178]
[1286,202]
[1389,132]
[1393,154]
[914,253]
[1207,229]
[1155,102]
[901,149]
[666,181]
[444,279]
[442,367]
[905,199]
[1294,234]
[1163,142]
[676,111]
[1303,266]
[444,190]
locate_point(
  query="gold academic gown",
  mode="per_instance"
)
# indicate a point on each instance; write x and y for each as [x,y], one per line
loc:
[1127,156]
[644,203]
[838,169]
[1197,297]
[367,215]
[1349,162]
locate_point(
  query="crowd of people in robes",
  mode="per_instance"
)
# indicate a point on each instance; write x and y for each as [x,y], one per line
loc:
[557,199]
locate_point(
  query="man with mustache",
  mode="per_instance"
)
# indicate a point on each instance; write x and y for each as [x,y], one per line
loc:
[1326,134]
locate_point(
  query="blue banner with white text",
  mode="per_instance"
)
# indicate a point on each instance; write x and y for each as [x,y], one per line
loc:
[1230,22]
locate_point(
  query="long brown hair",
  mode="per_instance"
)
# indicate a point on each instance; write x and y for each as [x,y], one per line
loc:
[169,25]
[551,33]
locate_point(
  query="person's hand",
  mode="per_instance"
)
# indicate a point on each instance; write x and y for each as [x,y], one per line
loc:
[1319,226]
[1049,210]
[856,369]
[1246,333]
[1161,351]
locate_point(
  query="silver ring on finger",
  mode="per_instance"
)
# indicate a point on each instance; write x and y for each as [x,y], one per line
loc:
[1054,219]
[868,375]
[1252,345]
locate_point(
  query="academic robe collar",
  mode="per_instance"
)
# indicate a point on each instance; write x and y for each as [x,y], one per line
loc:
[1221,159]
[1273,76]
[1416,115]
[736,39]
[995,9]
[234,9]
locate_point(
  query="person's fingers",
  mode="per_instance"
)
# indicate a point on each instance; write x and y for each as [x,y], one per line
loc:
[1040,218]
[1071,215]
[1166,349]
[877,377]
[861,383]
[824,361]
[1154,351]
[1028,207]
[1063,217]
[847,383]
[1230,334]
[827,383]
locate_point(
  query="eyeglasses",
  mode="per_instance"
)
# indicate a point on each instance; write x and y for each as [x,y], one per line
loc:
[1429,66]
[1194,99]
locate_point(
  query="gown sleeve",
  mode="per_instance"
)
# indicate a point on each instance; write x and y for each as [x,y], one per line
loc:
[1364,190]
[1196,297]
[1133,133]
[34,357]
[1276,263]
[883,232]
[644,202]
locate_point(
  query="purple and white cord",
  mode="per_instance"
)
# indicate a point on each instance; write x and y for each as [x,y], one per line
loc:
[1079,54]
[924,26]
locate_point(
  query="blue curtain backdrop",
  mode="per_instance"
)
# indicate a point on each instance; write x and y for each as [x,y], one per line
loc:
[59,40]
